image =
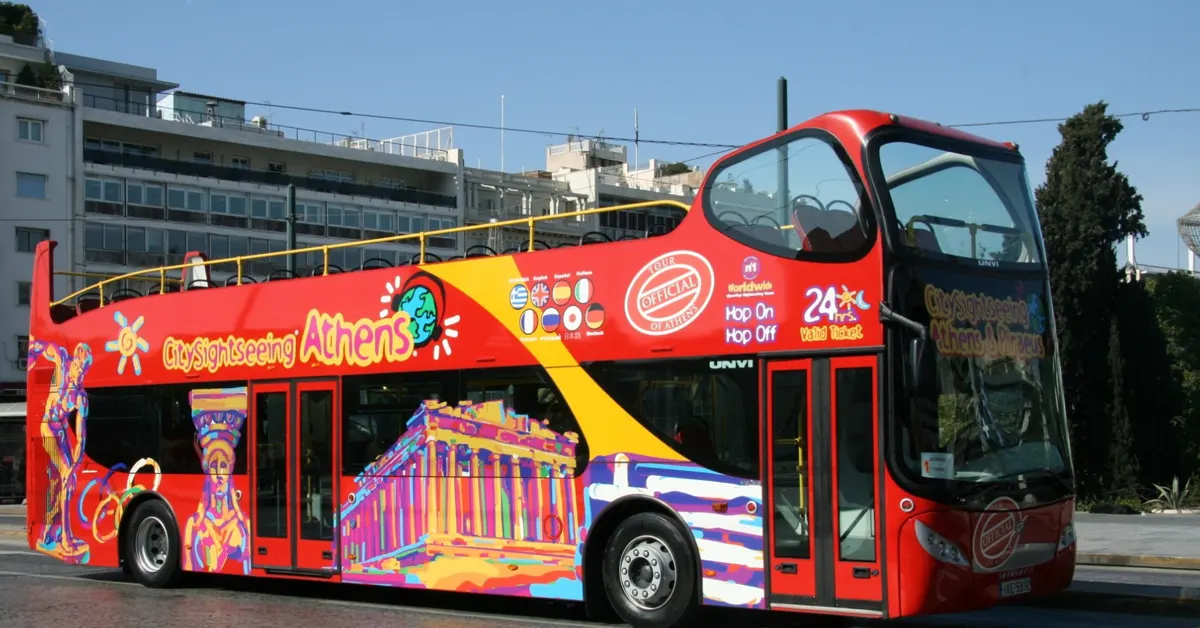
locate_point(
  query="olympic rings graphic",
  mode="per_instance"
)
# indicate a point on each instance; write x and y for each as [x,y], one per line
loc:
[113,503]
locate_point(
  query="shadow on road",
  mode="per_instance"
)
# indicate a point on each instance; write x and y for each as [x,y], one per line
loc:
[514,609]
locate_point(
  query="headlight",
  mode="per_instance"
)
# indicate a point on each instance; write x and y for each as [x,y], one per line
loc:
[1067,539]
[939,547]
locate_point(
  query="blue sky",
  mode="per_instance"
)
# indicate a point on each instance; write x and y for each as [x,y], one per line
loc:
[696,71]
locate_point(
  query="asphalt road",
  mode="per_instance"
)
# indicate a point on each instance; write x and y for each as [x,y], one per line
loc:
[37,592]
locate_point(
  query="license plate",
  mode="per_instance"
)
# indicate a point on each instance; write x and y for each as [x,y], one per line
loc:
[1020,586]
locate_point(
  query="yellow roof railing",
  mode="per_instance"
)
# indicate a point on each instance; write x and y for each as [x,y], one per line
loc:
[160,274]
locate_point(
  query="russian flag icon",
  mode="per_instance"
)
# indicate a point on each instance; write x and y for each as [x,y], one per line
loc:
[551,320]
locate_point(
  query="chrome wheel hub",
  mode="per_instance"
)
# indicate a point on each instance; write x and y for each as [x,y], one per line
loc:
[647,572]
[152,545]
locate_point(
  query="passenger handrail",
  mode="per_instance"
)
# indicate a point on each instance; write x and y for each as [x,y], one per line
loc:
[160,273]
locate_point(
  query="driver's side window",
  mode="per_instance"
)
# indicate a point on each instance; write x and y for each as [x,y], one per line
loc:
[795,200]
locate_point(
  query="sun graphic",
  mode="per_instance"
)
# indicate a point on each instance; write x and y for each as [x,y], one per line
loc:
[427,325]
[128,343]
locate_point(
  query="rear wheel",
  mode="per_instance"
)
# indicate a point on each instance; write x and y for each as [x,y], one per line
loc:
[151,547]
[650,573]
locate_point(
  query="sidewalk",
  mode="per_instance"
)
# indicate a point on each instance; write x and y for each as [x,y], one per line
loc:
[1153,541]
[12,520]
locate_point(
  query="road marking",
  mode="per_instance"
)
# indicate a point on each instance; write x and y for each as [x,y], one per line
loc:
[494,617]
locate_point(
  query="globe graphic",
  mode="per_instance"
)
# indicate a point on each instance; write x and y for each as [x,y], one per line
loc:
[418,303]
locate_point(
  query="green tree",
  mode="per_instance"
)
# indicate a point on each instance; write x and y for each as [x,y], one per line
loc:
[673,168]
[19,22]
[48,77]
[27,77]
[1122,467]
[1086,207]
[1176,298]
[1152,391]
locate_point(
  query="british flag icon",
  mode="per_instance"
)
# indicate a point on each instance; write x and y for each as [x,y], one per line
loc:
[540,294]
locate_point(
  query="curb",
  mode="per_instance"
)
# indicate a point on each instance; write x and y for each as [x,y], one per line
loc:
[1126,590]
[1151,562]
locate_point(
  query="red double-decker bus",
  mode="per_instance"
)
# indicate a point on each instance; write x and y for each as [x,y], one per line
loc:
[831,387]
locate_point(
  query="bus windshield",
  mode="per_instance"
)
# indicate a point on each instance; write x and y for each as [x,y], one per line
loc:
[959,205]
[990,407]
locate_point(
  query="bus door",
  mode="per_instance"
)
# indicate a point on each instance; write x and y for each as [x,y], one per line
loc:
[294,473]
[821,482]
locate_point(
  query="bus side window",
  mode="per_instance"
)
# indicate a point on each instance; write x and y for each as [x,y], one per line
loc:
[824,215]
[376,410]
[529,391]
[699,408]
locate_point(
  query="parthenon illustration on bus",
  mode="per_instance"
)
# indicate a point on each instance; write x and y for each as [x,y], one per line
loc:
[493,486]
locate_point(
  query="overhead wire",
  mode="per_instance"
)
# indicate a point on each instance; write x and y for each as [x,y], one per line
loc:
[722,148]
[1144,115]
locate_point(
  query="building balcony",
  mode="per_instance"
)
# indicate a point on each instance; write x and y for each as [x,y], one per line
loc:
[246,175]
[35,94]
[602,150]
[657,186]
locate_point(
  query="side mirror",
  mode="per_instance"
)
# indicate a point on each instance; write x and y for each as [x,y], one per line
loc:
[922,365]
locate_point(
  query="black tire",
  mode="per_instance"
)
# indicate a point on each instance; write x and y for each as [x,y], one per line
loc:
[641,547]
[150,546]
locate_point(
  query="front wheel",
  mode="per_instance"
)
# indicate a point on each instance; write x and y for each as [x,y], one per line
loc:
[650,573]
[151,547]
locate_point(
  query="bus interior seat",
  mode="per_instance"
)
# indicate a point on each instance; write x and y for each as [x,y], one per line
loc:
[87,303]
[926,240]
[61,312]
[123,294]
[761,233]
[693,435]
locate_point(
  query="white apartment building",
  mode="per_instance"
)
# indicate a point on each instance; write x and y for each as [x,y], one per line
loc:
[125,177]
[579,174]
[38,167]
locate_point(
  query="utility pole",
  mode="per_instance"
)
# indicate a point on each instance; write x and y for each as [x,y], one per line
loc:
[291,227]
[781,124]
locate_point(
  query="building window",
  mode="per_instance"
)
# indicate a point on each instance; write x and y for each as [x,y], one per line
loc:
[379,221]
[271,208]
[104,243]
[326,174]
[28,238]
[30,130]
[185,199]
[277,167]
[23,292]
[240,162]
[223,203]
[31,185]
[143,193]
[392,182]
[446,240]
[22,349]
[202,157]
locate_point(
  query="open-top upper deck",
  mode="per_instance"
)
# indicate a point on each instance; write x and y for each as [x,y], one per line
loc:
[730,280]
[197,272]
